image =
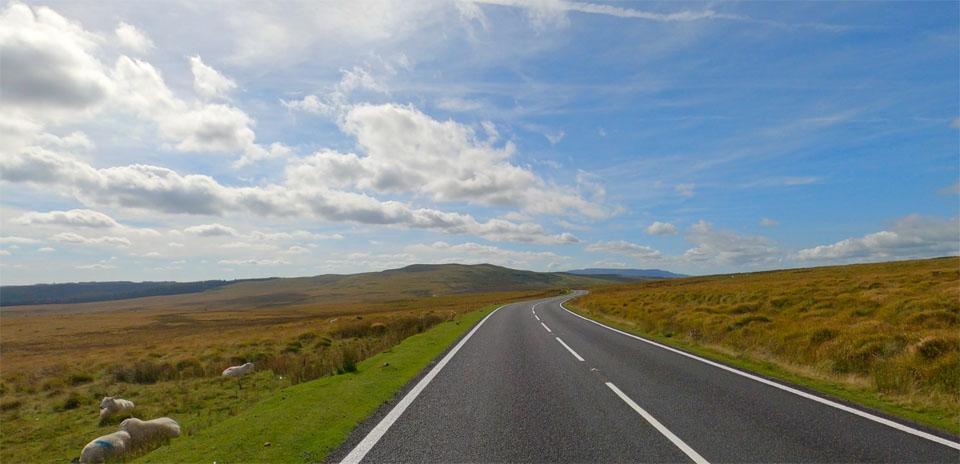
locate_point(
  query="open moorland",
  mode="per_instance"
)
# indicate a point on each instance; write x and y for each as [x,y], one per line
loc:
[887,330]
[166,352]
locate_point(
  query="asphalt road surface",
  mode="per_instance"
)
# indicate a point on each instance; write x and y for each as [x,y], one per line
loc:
[534,382]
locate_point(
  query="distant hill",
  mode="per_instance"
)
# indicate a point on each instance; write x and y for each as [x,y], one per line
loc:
[411,282]
[649,273]
[84,292]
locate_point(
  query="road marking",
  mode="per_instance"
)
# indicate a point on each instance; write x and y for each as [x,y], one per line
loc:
[368,442]
[538,317]
[863,414]
[545,327]
[660,428]
[574,353]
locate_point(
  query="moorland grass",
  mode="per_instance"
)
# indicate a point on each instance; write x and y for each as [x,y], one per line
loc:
[884,335]
[304,423]
[57,368]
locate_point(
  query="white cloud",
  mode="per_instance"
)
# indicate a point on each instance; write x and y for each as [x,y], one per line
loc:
[153,188]
[910,237]
[72,218]
[955,124]
[211,230]
[662,228]
[133,38]
[4,253]
[766,222]
[96,267]
[727,248]
[487,253]
[296,250]
[685,190]
[71,237]
[555,137]
[622,247]
[19,240]
[208,82]
[253,262]
[407,151]
[48,68]
[175,245]
[46,250]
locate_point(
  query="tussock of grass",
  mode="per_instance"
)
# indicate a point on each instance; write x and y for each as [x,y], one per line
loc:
[888,329]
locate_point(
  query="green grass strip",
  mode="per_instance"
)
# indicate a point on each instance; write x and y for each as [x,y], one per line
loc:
[928,416]
[306,422]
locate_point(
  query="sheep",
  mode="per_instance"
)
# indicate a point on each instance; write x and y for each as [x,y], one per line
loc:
[144,432]
[110,406]
[237,371]
[106,447]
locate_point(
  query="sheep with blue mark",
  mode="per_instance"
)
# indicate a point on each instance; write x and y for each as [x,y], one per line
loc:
[106,447]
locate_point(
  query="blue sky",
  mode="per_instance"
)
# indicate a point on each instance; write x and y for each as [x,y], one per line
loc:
[177,141]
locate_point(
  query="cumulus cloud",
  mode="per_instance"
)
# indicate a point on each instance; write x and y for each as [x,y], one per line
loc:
[727,247]
[769,222]
[47,63]
[159,189]
[406,151]
[46,250]
[208,82]
[211,230]
[910,237]
[72,237]
[662,228]
[72,218]
[623,247]
[52,74]
[489,253]
[133,38]
[4,253]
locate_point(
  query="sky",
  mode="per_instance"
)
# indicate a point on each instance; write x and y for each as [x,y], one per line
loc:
[220,140]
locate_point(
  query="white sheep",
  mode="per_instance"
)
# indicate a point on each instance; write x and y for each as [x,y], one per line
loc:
[237,371]
[106,447]
[144,432]
[110,406]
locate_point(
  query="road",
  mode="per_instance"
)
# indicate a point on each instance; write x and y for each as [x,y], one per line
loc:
[536,383]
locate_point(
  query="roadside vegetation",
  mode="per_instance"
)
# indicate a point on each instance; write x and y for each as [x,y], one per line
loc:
[57,365]
[884,334]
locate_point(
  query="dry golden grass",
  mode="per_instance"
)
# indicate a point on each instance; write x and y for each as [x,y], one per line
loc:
[888,328]
[166,353]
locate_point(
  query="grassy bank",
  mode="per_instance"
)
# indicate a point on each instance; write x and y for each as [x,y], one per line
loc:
[883,335]
[306,422]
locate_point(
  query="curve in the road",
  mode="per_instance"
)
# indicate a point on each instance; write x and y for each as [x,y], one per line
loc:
[549,385]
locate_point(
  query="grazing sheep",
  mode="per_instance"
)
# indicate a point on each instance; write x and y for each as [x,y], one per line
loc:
[110,406]
[144,432]
[238,371]
[106,447]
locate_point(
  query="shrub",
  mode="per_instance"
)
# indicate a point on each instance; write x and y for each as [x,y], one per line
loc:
[9,405]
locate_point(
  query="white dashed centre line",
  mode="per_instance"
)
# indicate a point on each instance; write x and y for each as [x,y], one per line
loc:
[545,327]
[538,317]
[574,353]
[660,428]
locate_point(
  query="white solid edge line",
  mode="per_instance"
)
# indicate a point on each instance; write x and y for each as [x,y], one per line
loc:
[574,353]
[545,327]
[865,415]
[538,317]
[660,428]
[368,442]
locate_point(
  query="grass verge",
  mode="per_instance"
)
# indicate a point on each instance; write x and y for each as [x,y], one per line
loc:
[305,422]
[933,417]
